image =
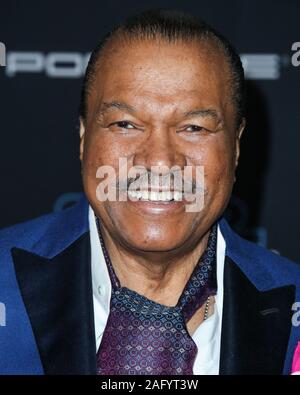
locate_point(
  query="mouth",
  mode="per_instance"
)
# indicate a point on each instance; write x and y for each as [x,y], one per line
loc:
[156,202]
[155,196]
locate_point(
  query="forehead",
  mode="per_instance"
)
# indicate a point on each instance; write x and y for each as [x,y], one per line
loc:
[153,74]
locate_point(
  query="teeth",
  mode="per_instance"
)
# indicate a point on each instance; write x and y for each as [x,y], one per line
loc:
[168,195]
[165,196]
[144,195]
[154,196]
[177,196]
[132,194]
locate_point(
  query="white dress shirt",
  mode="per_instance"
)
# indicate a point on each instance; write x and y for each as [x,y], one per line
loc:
[207,336]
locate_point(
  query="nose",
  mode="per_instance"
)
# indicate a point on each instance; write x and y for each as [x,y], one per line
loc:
[160,150]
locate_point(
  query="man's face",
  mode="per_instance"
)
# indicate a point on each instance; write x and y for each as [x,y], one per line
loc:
[161,104]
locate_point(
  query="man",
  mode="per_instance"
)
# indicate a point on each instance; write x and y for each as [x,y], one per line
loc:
[142,284]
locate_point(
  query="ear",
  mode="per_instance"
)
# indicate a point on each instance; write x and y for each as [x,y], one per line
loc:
[238,139]
[81,134]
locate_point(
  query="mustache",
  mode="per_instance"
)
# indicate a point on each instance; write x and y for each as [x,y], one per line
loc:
[148,180]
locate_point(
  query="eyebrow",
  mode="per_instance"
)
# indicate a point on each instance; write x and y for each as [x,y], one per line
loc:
[203,113]
[116,105]
[207,112]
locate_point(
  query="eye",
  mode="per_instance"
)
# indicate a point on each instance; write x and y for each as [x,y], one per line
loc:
[194,128]
[123,125]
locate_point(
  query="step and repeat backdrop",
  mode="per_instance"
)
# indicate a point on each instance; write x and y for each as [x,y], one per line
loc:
[44,50]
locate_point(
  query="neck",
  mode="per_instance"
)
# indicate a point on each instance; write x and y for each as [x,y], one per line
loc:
[160,277]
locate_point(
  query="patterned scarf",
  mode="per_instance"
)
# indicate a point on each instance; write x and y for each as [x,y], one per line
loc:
[147,338]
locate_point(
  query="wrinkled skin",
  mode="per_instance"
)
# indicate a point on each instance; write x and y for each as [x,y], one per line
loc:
[157,84]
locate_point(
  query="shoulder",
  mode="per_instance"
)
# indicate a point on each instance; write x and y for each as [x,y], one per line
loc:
[38,234]
[265,268]
[28,232]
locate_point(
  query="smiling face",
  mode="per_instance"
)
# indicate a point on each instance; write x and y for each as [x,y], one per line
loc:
[161,104]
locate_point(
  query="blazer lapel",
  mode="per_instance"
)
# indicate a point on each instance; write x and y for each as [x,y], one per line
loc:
[57,293]
[256,325]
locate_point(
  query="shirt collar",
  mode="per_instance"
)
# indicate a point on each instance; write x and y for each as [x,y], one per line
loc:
[100,276]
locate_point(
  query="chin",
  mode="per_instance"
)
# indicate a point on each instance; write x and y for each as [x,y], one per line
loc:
[147,238]
[148,233]
[152,245]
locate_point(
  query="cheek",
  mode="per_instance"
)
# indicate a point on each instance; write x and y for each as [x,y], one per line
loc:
[106,148]
[99,151]
[217,159]
[220,171]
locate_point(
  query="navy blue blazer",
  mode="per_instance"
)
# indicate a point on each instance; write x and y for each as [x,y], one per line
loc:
[45,285]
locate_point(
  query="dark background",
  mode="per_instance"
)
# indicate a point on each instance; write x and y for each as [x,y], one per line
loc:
[39,165]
